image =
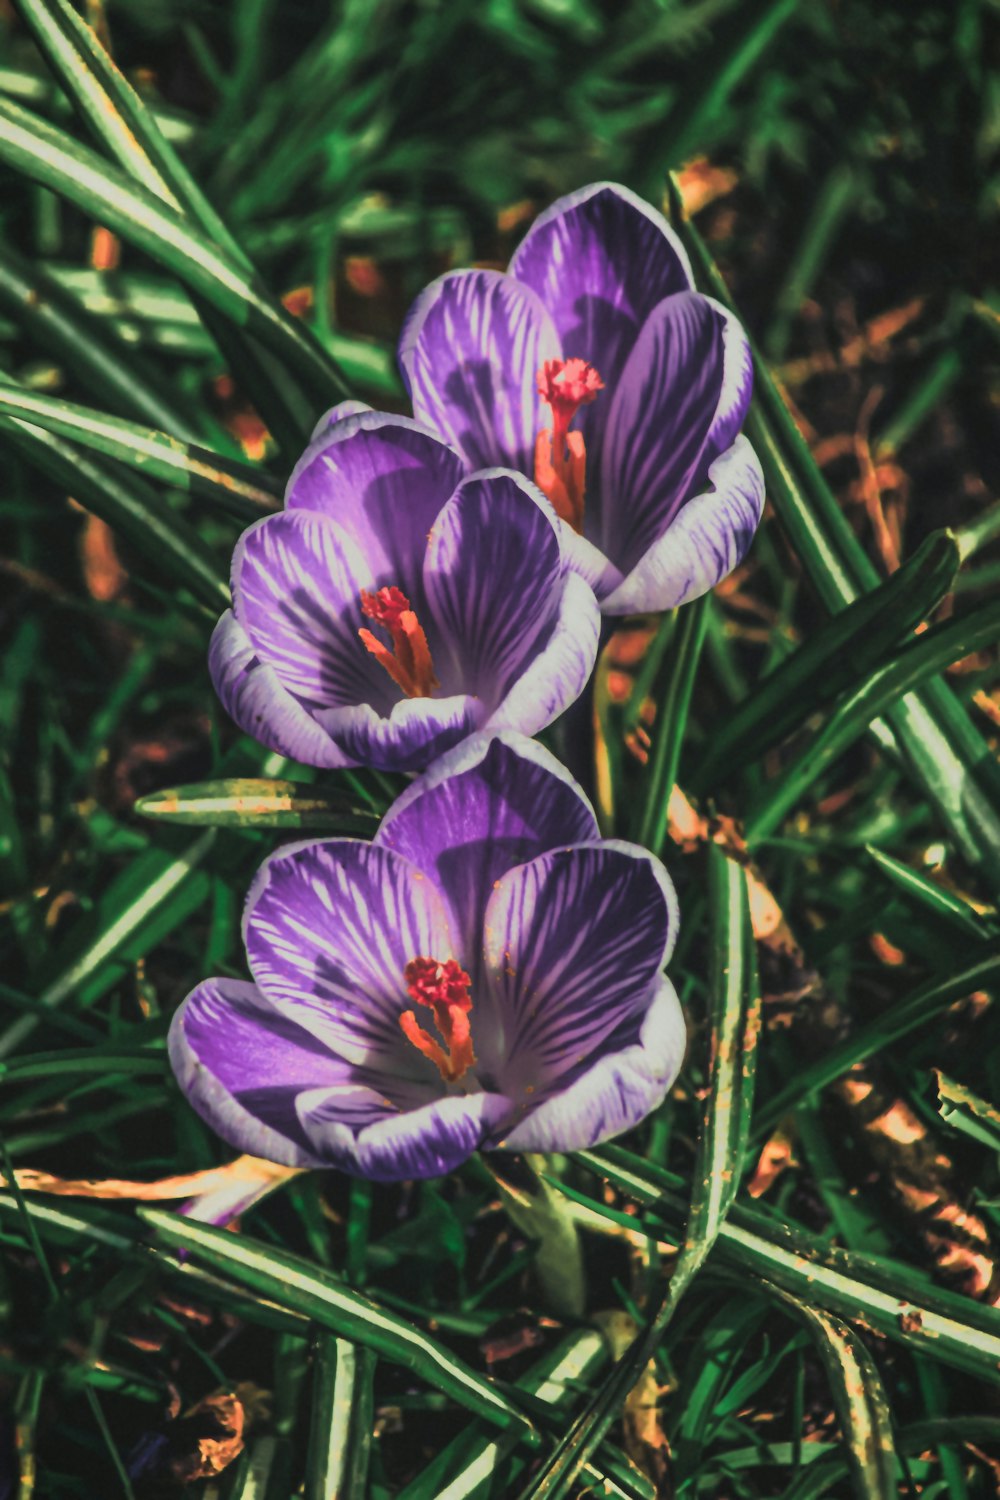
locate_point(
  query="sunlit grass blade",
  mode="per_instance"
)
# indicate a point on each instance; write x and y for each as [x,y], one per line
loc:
[859,1399]
[823,1477]
[835,658]
[671,723]
[129,506]
[116,114]
[929,898]
[966,1112]
[293,1282]
[156,893]
[103,363]
[29,145]
[231,486]
[920,659]
[342,1418]
[887,1295]
[734,1023]
[249,802]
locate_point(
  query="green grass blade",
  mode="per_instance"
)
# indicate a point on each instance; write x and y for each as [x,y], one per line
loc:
[102,363]
[671,723]
[931,899]
[128,505]
[293,1282]
[851,644]
[31,146]
[886,1295]
[901,1019]
[116,114]
[159,886]
[234,487]
[859,1399]
[919,660]
[342,1418]
[256,802]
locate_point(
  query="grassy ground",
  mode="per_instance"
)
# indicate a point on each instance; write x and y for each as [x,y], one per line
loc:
[831,1329]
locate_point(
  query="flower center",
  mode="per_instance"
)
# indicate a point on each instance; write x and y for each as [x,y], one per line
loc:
[444,988]
[560,456]
[408,663]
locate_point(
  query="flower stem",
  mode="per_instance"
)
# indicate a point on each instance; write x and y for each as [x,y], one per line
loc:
[545,1216]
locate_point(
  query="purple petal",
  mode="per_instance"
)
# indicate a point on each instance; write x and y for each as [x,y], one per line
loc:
[559,672]
[573,942]
[241,1063]
[383,479]
[414,733]
[680,402]
[338,413]
[491,804]
[703,544]
[330,927]
[470,353]
[616,1092]
[252,695]
[600,260]
[297,582]
[424,1142]
[492,576]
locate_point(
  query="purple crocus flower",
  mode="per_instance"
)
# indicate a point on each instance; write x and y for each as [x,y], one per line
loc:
[485,973]
[397,604]
[594,367]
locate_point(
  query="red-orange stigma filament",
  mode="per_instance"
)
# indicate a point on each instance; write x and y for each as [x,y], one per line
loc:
[444,987]
[560,456]
[408,663]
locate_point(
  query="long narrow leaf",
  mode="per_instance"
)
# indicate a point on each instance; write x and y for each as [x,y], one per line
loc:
[295,1283]
[256,802]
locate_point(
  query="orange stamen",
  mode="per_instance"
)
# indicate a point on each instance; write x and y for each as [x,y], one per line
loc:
[560,455]
[408,663]
[444,989]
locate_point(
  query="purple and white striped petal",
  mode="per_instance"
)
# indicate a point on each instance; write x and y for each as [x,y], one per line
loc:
[703,544]
[679,404]
[424,1142]
[329,929]
[415,732]
[297,582]
[470,352]
[252,694]
[338,413]
[616,1092]
[573,942]
[559,672]
[491,804]
[492,578]
[600,259]
[383,479]
[242,1062]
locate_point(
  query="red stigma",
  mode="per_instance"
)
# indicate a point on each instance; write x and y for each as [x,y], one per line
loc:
[560,455]
[444,989]
[408,663]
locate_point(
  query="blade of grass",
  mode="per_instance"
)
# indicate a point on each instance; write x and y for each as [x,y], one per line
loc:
[29,145]
[932,899]
[129,506]
[235,488]
[341,1420]
[852,643]
[859,1399]
[256,802]
[920,659]
[671,724]
[886,1295]
[293,1282]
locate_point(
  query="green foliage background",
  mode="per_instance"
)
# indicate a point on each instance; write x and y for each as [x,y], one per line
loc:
[832,1336]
